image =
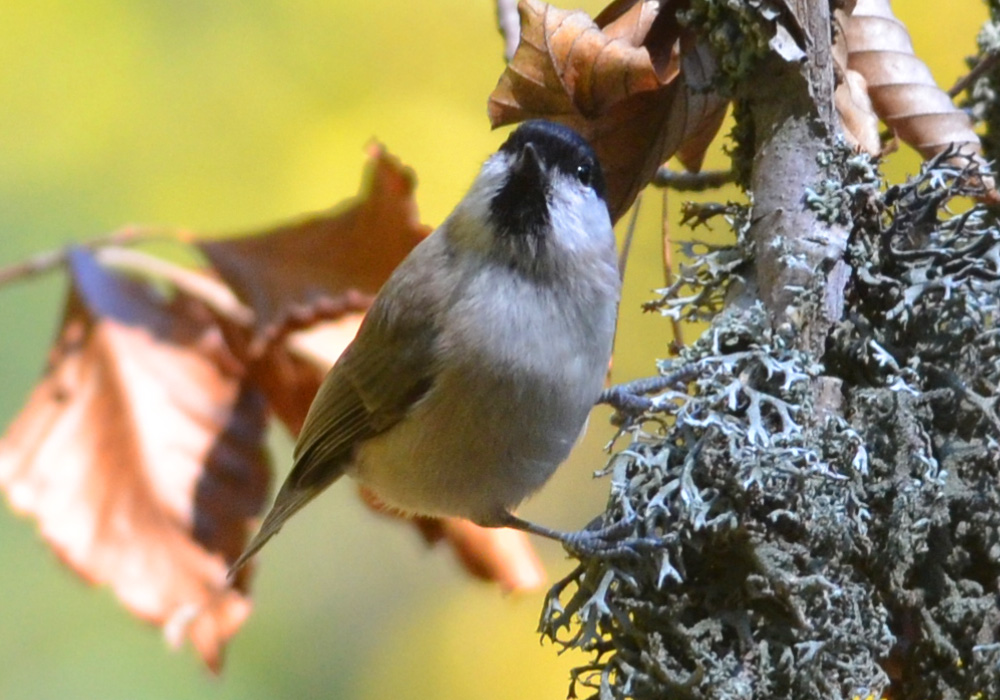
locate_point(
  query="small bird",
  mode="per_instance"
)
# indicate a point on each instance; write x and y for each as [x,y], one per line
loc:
[476,367]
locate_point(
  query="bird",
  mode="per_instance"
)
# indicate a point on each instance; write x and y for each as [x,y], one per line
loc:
[476,366]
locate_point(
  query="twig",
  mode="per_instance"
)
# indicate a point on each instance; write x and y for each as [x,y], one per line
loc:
[695,214]
[985,64]
[668,270]
[49,260]
[213,293]
[692,182]
[629,233]
[509,24]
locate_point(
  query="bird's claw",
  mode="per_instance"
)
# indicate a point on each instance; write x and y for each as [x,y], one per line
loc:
[609,542]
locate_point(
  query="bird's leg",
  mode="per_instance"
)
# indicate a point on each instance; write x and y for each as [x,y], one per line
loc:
[593,541]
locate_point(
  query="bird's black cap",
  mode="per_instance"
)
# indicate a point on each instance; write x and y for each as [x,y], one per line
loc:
[559,147]
[520,207]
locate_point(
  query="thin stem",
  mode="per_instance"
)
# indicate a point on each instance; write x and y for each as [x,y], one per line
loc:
[985,64]
[42,263]
[668,268]
[692,182]
[213,293]
[629,233]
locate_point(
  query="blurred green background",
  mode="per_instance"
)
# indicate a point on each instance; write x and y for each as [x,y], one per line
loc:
[229,115]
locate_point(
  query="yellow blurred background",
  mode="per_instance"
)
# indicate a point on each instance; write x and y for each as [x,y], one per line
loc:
[230,115]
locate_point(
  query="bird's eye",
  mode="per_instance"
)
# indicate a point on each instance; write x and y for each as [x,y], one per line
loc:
[584,173]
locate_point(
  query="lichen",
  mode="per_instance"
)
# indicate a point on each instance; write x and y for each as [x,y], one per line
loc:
[771,550]
[700,287]
[739,32]
[921,349]
[982,100]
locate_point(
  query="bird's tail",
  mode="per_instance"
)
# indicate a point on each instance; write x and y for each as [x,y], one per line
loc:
[290,499]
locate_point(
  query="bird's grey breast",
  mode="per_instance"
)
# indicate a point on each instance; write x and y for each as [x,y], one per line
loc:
[532,362]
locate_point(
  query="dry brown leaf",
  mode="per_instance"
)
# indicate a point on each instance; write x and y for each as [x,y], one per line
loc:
[329,264]
[566,65]
[290,373]
[858,118]
[857,115]
[631,83]
[141,455]
[703,111]
[636,136]
[493,554]
[290,369]
[501,555]
[901,87]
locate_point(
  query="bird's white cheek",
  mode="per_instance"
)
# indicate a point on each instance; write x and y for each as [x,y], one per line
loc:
[580,221]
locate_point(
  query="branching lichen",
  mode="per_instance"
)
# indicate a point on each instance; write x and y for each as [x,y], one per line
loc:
[922,349]
[700,287]
[982,99]
[749,502]
[739,32]
[772,552]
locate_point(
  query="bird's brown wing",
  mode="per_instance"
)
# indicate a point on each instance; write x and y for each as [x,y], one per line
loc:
[388,368]
[370,390]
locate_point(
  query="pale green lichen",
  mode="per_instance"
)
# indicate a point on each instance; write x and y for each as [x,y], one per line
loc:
[739,32]
[982,100]
[700,286]
[832,199]
[771,552]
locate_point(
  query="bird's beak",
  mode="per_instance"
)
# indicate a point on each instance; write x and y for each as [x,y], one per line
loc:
[528,164]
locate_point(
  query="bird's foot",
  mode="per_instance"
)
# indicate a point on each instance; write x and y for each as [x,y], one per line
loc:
[596,540]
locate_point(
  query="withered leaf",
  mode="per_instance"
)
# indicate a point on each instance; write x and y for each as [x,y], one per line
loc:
[290,373]
[566,65]
[493,554]
[289,370]
[140,453]
[854,107]
[901,87]
[699,117]
[327,264]
[632,83]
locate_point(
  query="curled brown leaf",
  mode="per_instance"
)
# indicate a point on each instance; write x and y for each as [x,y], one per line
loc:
[328,264]
[141,455]
[493,554]
[633,83]
[565,64]
[903,92]
[857,115]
